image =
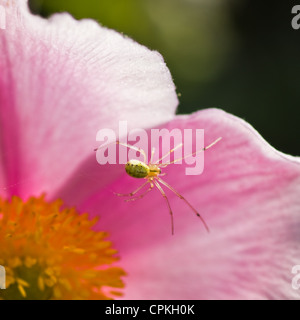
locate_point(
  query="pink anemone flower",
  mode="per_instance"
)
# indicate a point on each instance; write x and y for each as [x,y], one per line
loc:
[61,81]
[248,195]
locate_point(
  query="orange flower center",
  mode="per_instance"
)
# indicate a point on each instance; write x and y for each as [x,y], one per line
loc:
[53,253]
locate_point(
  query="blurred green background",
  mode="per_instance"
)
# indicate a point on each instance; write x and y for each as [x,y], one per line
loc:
[239,55]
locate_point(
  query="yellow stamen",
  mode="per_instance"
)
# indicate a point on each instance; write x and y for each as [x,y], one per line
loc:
[22,291]
[29,262]
[53,253]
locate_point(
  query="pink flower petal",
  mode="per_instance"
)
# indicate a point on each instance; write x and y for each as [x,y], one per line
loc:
[248,195]
[61,81]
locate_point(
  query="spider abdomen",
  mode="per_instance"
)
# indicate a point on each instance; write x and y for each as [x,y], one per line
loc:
[137,169]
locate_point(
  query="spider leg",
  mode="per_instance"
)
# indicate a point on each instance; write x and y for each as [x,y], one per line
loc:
[142,195]
[134,148]
[171,151]
[163,165]
[133,192]
[127,146]
[167,200]
[152,155]
[181,197]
